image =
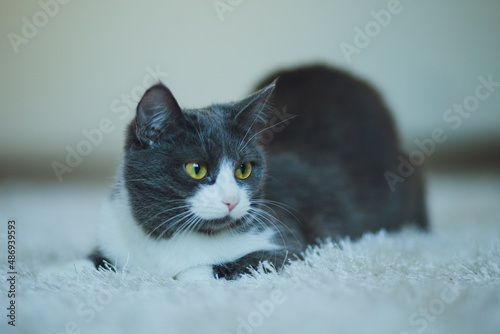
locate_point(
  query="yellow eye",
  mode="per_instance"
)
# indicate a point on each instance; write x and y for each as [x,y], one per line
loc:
[197,170]
[243,171]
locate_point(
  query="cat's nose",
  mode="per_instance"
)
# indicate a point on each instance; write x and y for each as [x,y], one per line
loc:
[231,203]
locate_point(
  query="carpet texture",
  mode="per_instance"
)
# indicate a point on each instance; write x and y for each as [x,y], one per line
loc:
[447,281]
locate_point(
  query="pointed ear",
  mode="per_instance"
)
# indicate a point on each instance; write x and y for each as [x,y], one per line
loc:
[155,111]
[254,109]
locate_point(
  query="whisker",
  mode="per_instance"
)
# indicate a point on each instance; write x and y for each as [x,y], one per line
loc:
[266,128]
[256,218]
[167,221]
[280,205]
[157,204]
[180,221]
[274,221]
[255,118]
[256,215]
[282,208]
[187,227]
[165,211]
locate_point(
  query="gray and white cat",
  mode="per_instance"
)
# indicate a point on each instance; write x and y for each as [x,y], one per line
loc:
[203,193]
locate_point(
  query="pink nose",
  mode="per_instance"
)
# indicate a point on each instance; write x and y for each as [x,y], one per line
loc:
[230,204]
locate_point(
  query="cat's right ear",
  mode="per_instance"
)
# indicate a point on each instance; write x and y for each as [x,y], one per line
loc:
[156,110]
[253,109]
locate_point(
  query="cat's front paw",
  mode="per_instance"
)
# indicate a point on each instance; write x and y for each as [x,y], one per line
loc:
[196,274]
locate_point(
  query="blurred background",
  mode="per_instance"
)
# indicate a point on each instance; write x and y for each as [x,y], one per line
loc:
[70,70]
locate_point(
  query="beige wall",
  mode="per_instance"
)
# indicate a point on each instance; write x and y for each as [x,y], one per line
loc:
[76,69]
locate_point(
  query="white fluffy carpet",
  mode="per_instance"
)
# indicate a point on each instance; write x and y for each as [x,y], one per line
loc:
[447,281]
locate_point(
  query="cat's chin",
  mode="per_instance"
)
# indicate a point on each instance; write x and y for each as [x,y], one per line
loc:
[215,226]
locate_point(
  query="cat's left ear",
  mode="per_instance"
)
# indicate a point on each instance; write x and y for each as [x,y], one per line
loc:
[255,108]
[156,111]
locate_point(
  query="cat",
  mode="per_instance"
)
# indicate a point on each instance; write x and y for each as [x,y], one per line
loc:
[213,192]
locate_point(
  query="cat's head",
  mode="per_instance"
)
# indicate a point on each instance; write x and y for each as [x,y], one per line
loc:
[195,169]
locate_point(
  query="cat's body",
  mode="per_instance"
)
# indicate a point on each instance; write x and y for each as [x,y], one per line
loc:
[339,148]
[201,195]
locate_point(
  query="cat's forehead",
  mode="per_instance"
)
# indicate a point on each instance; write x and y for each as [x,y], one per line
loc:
[214,115]
[215,132]
[214,121]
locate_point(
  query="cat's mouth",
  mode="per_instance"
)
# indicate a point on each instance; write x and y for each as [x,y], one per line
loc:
[214,226]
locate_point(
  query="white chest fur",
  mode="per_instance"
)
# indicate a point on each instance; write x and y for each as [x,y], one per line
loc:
[125,244]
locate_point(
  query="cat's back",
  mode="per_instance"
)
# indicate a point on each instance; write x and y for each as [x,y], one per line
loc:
[328,157]
[331,110]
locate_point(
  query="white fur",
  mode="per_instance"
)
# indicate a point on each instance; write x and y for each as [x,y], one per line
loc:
[125,244]
[208,202]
